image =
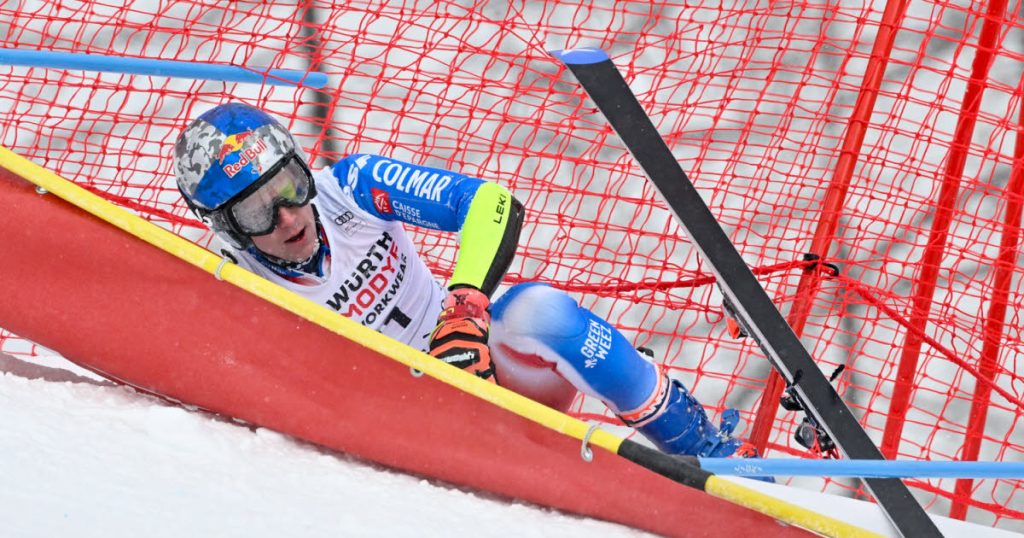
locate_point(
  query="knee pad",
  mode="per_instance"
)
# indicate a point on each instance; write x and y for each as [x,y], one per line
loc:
[538,320]
[538,310]
[524,363]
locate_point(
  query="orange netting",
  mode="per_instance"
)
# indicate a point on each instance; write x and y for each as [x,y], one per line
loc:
[886,143]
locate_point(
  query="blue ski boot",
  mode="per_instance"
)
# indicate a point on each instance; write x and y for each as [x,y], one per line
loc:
[680,426]
[677,424]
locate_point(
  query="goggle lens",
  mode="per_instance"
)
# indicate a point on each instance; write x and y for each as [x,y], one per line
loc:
[256,214]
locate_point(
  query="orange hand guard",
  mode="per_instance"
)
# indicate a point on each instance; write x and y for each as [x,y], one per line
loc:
[460,338]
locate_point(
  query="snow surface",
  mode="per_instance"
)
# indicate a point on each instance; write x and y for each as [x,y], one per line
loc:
[82,457]
[88,459]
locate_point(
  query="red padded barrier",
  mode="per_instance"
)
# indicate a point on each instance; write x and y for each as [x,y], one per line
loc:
[118,306]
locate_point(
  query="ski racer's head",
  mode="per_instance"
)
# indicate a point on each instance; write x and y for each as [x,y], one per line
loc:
[242,173]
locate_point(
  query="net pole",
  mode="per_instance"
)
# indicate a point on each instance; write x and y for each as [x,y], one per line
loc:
[938,238]
[832,205]
[995,318]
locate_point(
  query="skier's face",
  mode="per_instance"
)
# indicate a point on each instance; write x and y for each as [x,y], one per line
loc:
[294,238]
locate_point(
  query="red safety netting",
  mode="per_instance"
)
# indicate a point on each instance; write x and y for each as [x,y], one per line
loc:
[882,139]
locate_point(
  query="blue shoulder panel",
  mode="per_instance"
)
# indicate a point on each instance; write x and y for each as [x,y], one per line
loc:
[396,190]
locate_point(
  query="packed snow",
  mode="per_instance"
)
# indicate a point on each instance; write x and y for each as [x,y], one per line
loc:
[84,458]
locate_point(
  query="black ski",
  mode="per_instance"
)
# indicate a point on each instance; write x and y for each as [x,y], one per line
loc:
[755,310]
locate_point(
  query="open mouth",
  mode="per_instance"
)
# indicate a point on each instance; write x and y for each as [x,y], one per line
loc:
[297,237]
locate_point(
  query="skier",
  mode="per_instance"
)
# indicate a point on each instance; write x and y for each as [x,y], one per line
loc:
[336,237]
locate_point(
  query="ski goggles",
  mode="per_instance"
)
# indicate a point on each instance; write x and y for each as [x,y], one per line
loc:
[255,211]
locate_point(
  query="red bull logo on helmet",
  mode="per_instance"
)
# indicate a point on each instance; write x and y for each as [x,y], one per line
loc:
[236,144]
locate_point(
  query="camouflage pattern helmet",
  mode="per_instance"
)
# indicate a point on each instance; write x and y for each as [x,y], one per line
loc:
[223,153]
